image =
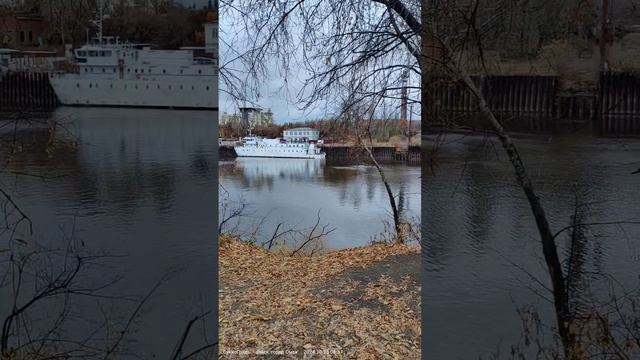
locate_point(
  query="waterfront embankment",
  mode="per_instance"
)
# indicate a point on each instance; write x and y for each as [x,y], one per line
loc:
[26,91]
[361,302]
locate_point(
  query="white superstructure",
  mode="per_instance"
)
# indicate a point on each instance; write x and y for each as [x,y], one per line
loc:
[255,146]
[108,72]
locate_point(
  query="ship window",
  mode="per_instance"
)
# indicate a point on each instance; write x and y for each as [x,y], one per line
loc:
[199,71]
[128,70]
[142,71]
[86,70]
[181,71]
[96,86]
[125,86]
[136,71]
[30,36]
[136,86]
[78,85]
[193,87]
[114,70]
[104,70]
[207,88]
[147,87]
[21,36]
[164,71]
[180,87]
[92,53]
[111,86]
[158,87]
[90,85]
[169,87]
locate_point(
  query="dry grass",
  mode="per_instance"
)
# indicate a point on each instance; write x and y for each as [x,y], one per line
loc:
[397,141]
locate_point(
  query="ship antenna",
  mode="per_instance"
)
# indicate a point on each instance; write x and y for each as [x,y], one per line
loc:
[98,22]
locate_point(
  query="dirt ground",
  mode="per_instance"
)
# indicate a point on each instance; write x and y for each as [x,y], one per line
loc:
[357,303]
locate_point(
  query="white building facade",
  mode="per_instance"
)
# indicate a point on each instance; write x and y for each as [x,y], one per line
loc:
[301,134]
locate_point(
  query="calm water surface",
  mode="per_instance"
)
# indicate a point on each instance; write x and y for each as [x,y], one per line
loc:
[477,223]
[350,198]
[141,188]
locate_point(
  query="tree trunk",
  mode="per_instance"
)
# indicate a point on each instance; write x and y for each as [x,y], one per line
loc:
[392,200]
[554,267]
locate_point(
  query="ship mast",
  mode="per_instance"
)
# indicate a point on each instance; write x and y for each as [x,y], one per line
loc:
[98,21]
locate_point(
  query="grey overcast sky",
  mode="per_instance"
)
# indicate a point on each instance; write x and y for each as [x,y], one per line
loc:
[275,94]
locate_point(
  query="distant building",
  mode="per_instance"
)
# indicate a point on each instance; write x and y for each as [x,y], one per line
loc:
[254,116]
[211,37]
[28,60]
[151,5]
[250,117]
[227,119]
[22,31]
[301,134]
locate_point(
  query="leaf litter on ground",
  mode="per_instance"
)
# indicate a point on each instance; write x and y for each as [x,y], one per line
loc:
[310,306]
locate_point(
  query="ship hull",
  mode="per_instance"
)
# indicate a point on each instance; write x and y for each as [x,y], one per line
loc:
[171,93]
[243,151]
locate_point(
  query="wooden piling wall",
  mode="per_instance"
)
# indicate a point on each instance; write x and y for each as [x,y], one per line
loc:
[519,102]
[26,91]
[619,111]
[383,154]
[537,104]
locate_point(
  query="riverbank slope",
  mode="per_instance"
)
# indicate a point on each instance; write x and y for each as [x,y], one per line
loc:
[361,302]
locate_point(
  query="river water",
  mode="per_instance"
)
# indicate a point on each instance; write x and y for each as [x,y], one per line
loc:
[140,188]
[480,244]
[349,198]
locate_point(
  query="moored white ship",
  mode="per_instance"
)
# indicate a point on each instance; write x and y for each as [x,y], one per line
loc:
[298,143]
[108,72]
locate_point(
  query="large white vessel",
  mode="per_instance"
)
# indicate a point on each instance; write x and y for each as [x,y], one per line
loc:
[108,72]
[298,146]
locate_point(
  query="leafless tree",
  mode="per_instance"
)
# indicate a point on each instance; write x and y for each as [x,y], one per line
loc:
[331,40]
[452,50]
[356,53]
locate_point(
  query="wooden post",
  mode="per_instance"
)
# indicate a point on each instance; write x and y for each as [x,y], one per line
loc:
[604,35]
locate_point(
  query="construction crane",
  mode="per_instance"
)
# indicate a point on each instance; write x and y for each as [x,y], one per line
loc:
[404,98]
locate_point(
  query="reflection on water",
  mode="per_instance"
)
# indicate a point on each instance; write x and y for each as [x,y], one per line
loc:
[139,185]
[260,172]
[477,223]
[351,198]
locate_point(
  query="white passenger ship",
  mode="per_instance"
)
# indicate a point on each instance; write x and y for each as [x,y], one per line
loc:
[108,72]
[297,143]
